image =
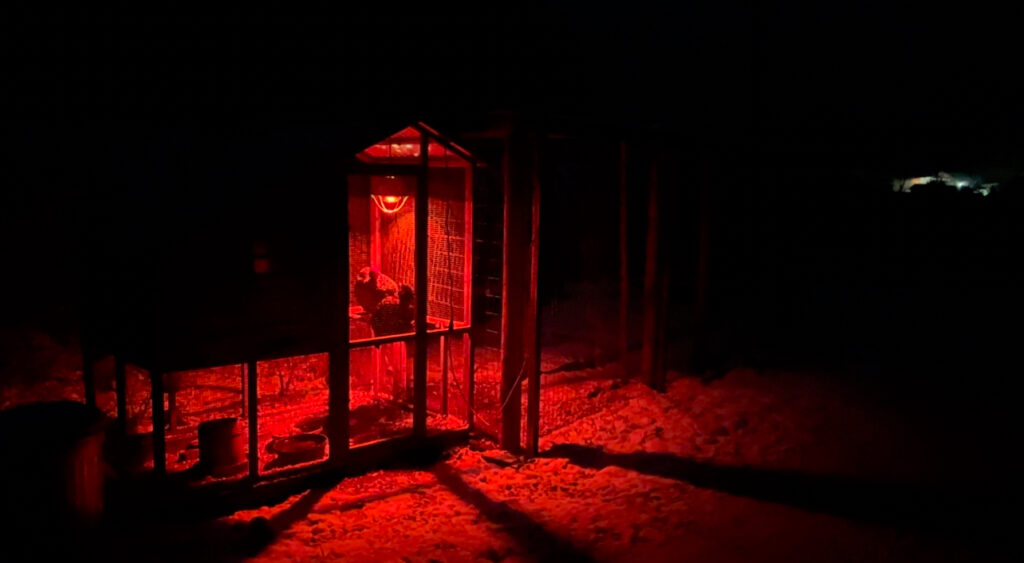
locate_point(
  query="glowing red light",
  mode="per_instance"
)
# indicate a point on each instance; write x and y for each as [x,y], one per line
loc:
[389,203]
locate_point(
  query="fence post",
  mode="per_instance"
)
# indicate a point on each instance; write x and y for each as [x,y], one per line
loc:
[623,266]
[515,356]
[532,322]
[653,364]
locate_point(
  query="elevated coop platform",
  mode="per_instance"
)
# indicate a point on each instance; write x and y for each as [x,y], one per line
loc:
[250,321]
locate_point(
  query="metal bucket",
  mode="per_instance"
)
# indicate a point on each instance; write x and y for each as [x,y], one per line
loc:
[222,447]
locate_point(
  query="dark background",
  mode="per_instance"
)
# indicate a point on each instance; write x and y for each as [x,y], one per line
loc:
[797,116]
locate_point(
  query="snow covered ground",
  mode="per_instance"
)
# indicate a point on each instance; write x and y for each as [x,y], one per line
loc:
[769,466]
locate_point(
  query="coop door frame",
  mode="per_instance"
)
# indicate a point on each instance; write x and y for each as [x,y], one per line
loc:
[422,335]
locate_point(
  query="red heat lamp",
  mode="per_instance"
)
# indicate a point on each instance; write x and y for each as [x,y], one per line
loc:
[389,203]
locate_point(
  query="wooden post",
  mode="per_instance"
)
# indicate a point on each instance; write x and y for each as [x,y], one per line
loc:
[121,388]
[241,377]
[419,377]
[661,336]
[89,374]
[444,375]
[171,388]
[698,355]
[473,312]
[468,376]
[623,266]
[515,287]
[338,338]
[532,321]
[379,382]
[652,289]
[338,396]
[156,378]
[254,441]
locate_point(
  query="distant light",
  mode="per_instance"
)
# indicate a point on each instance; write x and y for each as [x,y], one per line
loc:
[958,181]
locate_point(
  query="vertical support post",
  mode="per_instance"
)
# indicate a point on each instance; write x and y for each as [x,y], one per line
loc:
[623,265]
[89,374]
[419,377]
[89,379]
[375,242]
[379,366]
[338,357]
[156,378]
[338,397]
[515,287]
[467,251]
[661,336]
[245,397]
[444,374]
[121,387]
[532,322]
[698,355]
[254,442]
[469,377]
[474,311]
[171,388]
[652,289]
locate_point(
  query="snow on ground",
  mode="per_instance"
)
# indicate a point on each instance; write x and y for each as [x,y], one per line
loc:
[754,466]
[609,487]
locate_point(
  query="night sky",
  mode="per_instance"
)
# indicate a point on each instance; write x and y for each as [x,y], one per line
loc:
[784,69]
[98,89]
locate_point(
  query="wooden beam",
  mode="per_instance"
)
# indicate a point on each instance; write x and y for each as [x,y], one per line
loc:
[469,378]
[698,356]
[659,378]
[89,374]
[652,290]
[419,378]
[532,320]
[156,379]
[251,377]
[245,397]
[475,313]
[623,265]
[339,347]
[515,286]
[445,142]
[445,342]
[381,340]
[120,387]
[171,384]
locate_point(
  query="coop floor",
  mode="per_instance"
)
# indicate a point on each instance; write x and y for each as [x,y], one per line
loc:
[375,417]
[285,410]
[754,466]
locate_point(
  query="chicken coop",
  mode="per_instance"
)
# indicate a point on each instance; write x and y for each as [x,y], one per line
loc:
[327,323]
[389,216]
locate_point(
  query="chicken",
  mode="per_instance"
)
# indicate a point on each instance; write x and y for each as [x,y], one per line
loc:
[373,287]
[395,315]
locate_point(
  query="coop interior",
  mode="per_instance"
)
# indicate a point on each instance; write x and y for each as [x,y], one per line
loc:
[382,267]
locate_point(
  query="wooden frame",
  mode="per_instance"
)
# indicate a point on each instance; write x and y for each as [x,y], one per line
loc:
[334,341]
